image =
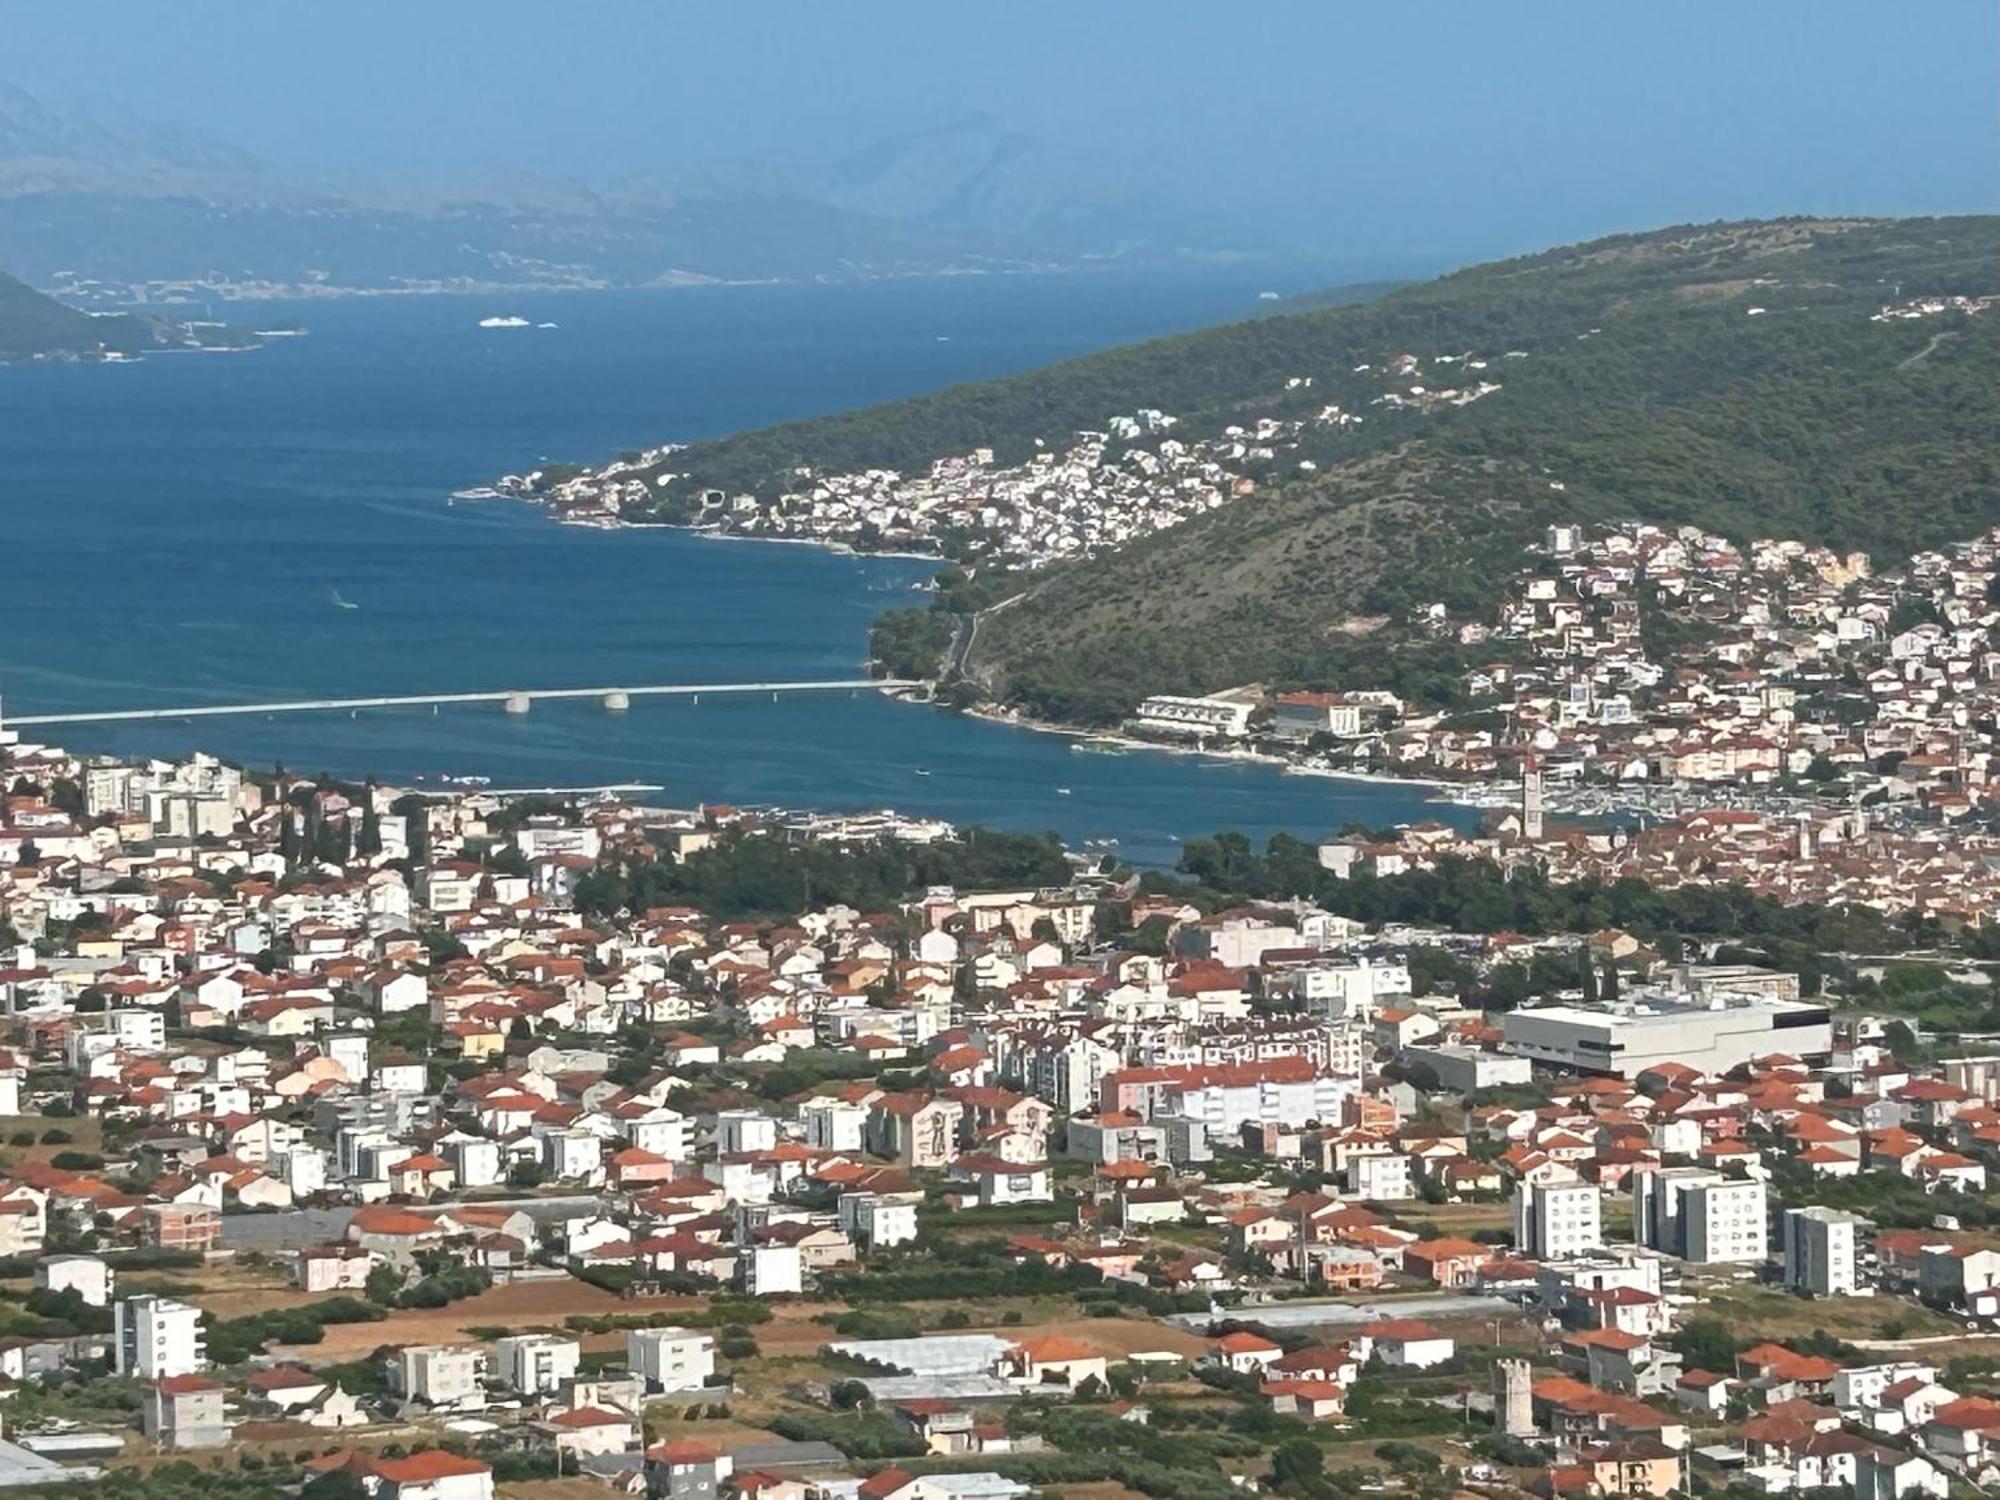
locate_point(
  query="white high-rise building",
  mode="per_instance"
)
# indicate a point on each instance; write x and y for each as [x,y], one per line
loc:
[157,1338]
[1820,1251]
[1558,1220]
[1700,1215]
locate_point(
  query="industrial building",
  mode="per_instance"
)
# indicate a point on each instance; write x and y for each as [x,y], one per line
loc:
[1627,1037]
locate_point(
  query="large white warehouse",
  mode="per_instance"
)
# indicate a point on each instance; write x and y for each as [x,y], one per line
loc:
[1631,1035]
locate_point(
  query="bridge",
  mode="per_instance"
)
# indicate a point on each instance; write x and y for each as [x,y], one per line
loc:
[513,700]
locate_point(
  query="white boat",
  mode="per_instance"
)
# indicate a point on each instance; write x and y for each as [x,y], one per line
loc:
[504,322]
[479,492]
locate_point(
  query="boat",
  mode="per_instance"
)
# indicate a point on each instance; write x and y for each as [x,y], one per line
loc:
[340,603]
[1098,745]
[1062,791]
[504,322]
[922,772]
[479,492]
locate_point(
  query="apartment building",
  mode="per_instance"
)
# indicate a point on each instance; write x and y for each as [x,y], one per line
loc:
[156,1338]
[1700,1215]
[1821,1254]
[1558,1220]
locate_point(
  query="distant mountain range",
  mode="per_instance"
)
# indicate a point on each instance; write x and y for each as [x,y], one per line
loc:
[106,207]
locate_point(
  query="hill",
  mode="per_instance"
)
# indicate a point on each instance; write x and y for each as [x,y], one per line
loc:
[36,326]
[1732,377]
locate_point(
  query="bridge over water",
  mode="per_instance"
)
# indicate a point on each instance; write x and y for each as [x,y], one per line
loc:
[513,700]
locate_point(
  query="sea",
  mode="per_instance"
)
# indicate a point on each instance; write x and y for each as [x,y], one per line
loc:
[277,525]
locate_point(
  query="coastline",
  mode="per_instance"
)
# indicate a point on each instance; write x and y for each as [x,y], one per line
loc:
[1001,716]
[1221,757]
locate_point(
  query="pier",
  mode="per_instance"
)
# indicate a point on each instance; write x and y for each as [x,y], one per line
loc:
[615,699]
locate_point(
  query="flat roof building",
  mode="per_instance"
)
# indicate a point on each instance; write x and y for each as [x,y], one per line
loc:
[1627,1037]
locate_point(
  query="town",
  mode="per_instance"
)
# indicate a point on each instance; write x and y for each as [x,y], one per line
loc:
[1104,490]
[432,1146]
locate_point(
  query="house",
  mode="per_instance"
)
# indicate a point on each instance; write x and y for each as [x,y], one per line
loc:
[685,1470]
[1632,1466]
[1450,1263]
[334,1268]
[670,1359]
[1001,1182]
[1053,1360]
[1407,1343]
[1308,1400]
[1245,1353]
[440,1375]
[428,1474]
[182,1411]
[591,1430]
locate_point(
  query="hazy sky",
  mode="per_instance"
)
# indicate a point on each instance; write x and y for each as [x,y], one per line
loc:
[1427,126]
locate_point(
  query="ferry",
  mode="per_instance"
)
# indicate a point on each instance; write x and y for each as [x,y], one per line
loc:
[506,322]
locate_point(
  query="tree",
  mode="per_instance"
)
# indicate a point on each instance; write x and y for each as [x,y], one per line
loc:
[1586,968]
[1903,1043]
[1707,1344]
[384,1285]
[1296,1463]
[1610,991]
[368,843]
[336,1484]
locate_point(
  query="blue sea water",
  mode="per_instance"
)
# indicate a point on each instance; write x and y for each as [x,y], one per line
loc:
[274,525]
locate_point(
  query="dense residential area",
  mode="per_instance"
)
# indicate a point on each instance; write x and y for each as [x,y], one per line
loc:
[435,1146]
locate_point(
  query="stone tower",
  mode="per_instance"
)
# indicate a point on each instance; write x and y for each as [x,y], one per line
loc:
[1513,1398]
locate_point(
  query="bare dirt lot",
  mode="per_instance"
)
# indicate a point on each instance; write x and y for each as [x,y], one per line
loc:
[1117,1338]
[519,1307]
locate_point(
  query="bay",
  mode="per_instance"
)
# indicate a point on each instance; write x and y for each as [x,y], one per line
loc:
[243,527]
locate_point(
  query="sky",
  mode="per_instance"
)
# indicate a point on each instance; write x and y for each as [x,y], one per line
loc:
[1448,127]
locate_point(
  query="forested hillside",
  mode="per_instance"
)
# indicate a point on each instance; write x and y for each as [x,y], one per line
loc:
[33,324]
[1733,376]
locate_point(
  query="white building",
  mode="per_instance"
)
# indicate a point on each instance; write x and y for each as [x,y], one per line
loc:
[1700,1215]
[156,1337]
[86,1275]
[535,1364]
[1196,718]
[1460,1070]
[475,1161]
[835,1125]
[1820,1251]
[1558,1220]
[742,1132]
[875,1222]
[767,1270]
[1380,1179]
[451,1375]
[670,1359]
[1630,1036]
[1349,989]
